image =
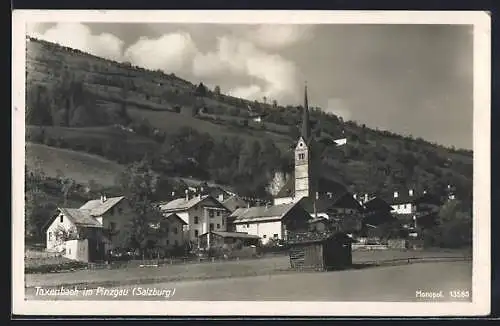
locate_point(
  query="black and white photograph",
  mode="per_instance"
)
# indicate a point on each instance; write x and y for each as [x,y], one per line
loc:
[251,162]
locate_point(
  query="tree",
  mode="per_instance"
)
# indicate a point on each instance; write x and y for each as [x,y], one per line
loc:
[201,90]
[139,184]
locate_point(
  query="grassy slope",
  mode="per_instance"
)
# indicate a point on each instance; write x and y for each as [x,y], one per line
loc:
[81,167]
[161,92]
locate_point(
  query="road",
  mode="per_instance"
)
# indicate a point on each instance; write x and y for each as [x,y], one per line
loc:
[394,283]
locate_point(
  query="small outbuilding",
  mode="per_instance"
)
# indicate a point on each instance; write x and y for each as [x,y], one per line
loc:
[320,251]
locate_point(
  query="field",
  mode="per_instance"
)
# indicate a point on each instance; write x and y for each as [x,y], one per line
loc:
[389,284]
[196,271]
[81,167]
[170,122]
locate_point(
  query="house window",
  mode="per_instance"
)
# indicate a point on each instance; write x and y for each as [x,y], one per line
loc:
[175,230]
[166,229]
[222,221]
[218,225]
[61,218]
[196,233]
[275,235]
[264,236]
[112,226]
[69,251]
[248,225]
[211,226]
[168,242]
[50,235]
[211,214]
[120,210]
[176,243]
[196,220]
[218,213]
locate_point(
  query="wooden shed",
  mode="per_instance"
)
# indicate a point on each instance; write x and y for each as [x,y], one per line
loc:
[320,251]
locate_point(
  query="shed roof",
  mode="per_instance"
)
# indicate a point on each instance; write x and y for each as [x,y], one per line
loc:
[316,237]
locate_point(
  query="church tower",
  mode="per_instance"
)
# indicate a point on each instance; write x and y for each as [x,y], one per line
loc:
[303,182]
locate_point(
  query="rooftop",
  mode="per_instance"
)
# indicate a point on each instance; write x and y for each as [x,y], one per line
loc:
[98,207]
[80,217]
[274,212]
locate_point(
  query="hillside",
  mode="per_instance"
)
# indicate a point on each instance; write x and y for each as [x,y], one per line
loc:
[74,100]
[79,166]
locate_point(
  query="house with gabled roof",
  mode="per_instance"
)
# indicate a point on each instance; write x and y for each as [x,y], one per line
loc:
[201,214]
[87,233]
[172,226]
[270,221]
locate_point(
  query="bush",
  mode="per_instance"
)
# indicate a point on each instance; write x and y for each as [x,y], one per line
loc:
[52,264]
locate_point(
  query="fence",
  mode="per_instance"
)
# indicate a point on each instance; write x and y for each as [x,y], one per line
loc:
[174,261]
[410,260]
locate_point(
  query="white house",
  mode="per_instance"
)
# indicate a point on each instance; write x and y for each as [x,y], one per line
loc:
[403,202]
[270,222]
[201,214]
[92,226]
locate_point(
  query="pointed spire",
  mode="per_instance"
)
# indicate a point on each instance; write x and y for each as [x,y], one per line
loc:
[306,130]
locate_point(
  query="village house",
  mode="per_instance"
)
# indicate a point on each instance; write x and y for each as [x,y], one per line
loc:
[270,221]
[377,211]
[201,214]
[172,226]
[218,239]
[415,210]
[87,233]
[234,202]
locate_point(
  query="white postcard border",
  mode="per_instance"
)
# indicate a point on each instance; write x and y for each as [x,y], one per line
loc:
[481,220]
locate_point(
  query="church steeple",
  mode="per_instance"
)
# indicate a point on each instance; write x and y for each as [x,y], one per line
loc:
[306,129]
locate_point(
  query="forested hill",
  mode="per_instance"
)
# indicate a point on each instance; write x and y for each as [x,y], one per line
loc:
[123,113]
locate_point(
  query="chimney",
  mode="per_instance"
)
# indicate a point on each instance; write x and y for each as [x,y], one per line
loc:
[366,198]
[103,198]
[355,196]
[317,195]
[173,194]
[425,191]
[221,197]
[187,194]
[410,192]
[395,194]
[248,204]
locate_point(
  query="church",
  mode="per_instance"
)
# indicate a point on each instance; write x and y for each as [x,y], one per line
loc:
[317,191]
[311,194]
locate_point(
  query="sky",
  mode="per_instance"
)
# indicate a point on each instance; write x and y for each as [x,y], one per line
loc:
[409,79]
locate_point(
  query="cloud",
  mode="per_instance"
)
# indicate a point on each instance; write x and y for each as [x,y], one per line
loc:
[339,108]
[272,75]
[248,92]
[170,52]
[79,36]
[279,36]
